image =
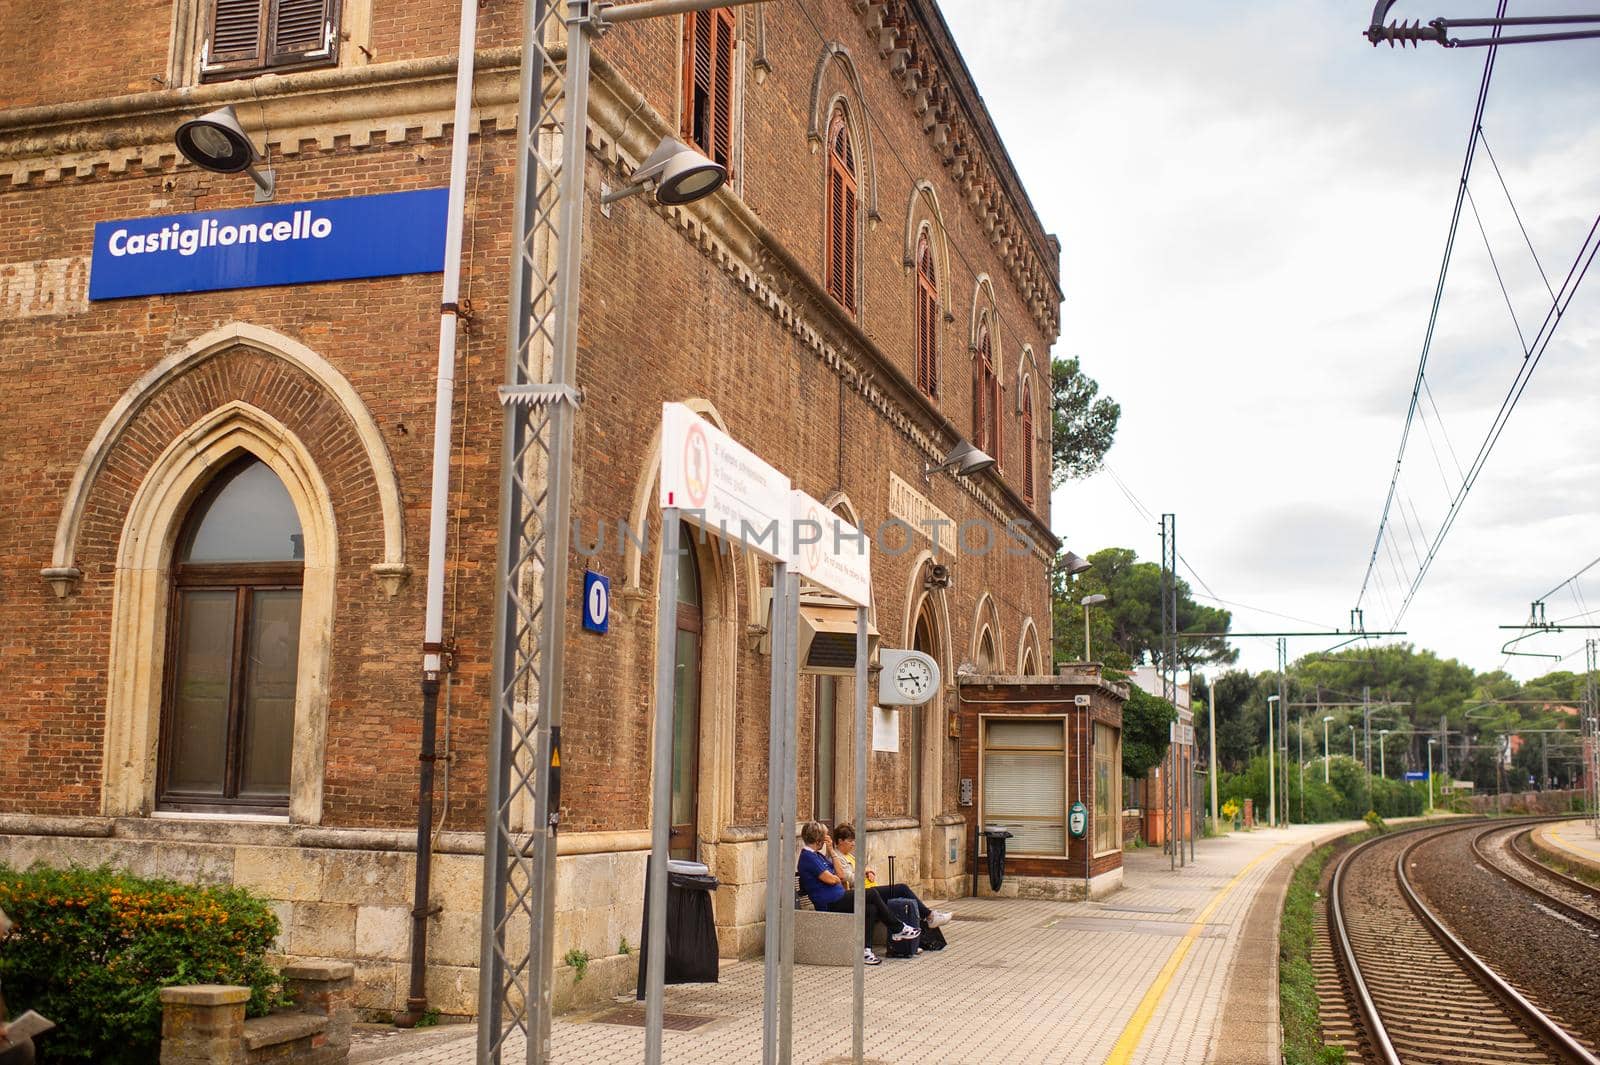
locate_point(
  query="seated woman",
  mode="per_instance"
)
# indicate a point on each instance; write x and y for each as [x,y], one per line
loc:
[844,842]
[822,879]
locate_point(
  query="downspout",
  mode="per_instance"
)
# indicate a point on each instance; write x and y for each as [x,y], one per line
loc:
[433,647]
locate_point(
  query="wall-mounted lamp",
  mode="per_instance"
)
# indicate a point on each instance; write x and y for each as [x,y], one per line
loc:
[1075,563]
[676,173]
[964,459]
[217,142]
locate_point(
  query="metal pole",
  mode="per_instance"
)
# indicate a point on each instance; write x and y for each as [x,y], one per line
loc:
[1212,718]
[439,511]
[1325,754]
[1272,769]
[791,790]
[778,879]
[1300,738]
[1086,657]
[859,977]
[1283,725]
[1430,776]
[1366,740]
[661,786]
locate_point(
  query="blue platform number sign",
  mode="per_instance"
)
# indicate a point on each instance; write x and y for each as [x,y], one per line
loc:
[596,602]
[384,235]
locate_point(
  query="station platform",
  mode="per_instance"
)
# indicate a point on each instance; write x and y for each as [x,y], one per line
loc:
[1179,966]
[1573,840]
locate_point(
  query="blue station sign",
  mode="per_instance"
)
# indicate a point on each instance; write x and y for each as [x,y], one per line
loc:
[274,244]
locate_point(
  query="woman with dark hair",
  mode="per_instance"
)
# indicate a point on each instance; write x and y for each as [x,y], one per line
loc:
[822,874]
[844,841]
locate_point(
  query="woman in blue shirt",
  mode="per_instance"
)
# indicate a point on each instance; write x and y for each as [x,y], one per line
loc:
[822,878]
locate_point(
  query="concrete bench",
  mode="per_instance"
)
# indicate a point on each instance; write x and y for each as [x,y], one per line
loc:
[822,938]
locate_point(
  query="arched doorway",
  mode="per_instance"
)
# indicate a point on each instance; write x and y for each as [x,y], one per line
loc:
[228,721]
[686,702]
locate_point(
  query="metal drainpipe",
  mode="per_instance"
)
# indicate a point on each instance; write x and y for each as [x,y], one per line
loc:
[433,649]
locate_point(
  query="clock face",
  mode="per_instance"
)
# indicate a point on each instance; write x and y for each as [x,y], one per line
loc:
[913,678]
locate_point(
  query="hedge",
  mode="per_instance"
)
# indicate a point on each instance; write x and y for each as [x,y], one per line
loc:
[93,948]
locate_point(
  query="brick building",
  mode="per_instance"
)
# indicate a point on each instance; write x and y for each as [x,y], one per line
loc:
[215,503]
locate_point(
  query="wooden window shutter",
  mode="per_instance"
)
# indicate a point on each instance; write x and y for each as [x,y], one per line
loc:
[699,105]
[927,321]
[722,87]
[840,223]
[237,35]
[980,431]
[1027,445]
[301,30]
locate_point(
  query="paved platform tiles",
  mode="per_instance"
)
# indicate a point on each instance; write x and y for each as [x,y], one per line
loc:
[1573,839]
[1146,975]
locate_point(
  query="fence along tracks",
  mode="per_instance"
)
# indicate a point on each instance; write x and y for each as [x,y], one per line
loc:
[1421,996]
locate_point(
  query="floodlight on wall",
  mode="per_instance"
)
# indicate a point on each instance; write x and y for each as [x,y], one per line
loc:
[964,459]
[675,172]
[1076,563]
[217,142]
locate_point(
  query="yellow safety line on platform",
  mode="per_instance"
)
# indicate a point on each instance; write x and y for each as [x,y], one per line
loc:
[1128,1042]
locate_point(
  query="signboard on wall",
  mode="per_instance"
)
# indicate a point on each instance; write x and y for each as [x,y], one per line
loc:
[271,244]
[721,485]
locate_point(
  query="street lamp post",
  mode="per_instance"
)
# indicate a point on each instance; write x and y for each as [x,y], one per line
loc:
[1325,721]
[1272,770]
[1086,602]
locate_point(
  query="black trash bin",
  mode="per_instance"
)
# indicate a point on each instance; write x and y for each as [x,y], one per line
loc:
[996,838]
[691,928]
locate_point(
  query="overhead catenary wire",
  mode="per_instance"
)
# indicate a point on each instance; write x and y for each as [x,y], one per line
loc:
[1519,384]
[1438,299]
[1484,140]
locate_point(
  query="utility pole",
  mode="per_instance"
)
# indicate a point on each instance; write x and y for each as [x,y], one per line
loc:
[1171,794]
[1212,718]
[1591,713]
[1272,770]
[1366,739]
[1283,722]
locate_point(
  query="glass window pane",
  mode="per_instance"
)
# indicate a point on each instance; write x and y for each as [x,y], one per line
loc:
[685,727]
[201,688]
[1107,789]
[688,572]
[272,648]
[826,724]
[247,517]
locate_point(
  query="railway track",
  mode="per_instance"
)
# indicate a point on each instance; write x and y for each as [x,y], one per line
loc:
[1419,996]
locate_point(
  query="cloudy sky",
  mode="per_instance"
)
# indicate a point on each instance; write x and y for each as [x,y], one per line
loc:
[1252,204]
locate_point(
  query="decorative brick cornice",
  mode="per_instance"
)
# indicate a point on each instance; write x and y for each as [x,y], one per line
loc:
[292,114]
[915,46]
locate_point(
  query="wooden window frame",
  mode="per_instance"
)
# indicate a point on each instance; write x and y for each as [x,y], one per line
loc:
[984,721]
[1028,486]
[715,79]
[986,395]
[245,579]
[1115,761]
[266,56]
[843,207]
[927,320]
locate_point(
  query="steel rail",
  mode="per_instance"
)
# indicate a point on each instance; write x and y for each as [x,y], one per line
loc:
[1541,869]
[1547,1028]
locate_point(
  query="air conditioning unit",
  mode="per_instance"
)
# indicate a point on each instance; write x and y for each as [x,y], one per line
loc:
[827,633]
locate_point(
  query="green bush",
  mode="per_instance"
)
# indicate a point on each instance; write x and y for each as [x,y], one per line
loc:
[93,948]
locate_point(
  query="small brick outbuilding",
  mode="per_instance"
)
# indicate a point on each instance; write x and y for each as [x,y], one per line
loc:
[1030,748]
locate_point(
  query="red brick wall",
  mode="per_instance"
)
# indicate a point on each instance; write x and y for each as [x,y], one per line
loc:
[662,321]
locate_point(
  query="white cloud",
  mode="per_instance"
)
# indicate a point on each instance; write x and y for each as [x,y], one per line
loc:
[1252,203]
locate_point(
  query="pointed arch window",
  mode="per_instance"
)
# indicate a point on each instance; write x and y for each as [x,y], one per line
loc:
[1027,443]
[228,717]
[927,320]
[686,697]
[841,214]
[985,395]
[708,66]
